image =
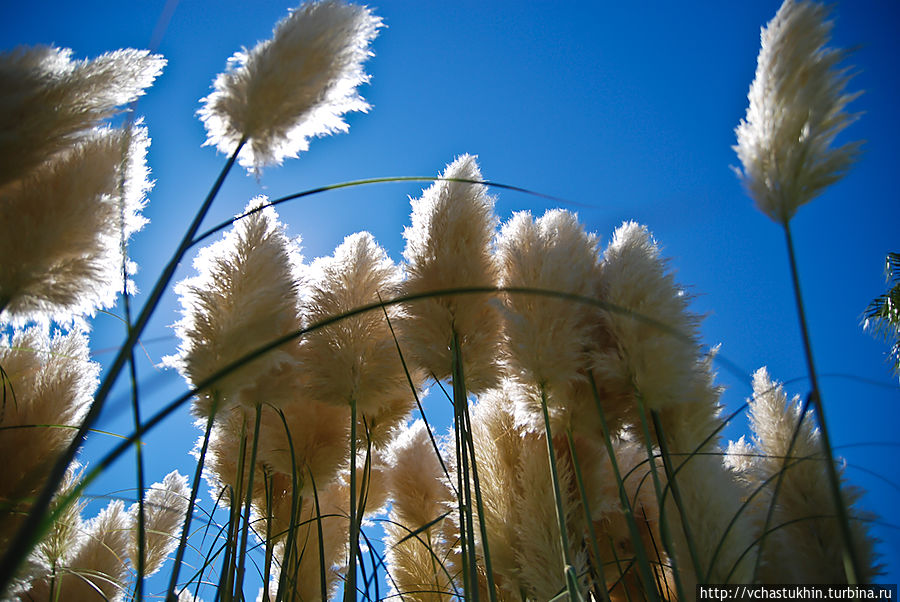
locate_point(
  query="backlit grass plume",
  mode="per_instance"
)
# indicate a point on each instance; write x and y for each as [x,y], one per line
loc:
[803,545]
[797,108]
[418,555]
[51,101]
[62,226]
[244,296]
[354,359]
[448,245]
[658,355]
[165,504]
[294,86]
[47,390]
[548,337]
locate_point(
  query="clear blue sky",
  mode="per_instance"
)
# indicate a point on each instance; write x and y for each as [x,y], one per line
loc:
[625,109]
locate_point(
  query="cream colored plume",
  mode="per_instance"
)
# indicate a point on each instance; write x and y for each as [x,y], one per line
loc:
[804,545]
[797,108]
[244,297]
[64,224]
[165,505]
[448,245]
[653,350]
[418,555]
[51,381]
[355,358]
[50,101]
[293,86]
[548,337]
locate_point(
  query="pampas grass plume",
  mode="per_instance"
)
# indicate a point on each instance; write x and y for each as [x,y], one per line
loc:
[64,225]
[51,101]
[805,548]
[547,337]
[165,505]
[448,245]
[294,86]
[354,359]
[53,380]
[244,296]
[797,108]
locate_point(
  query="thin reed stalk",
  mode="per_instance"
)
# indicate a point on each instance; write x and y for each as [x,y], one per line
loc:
[665,533]
[592,532]
[350,583]
[672,483]
[248,502]
[643,563]
[571,584]
[852,564]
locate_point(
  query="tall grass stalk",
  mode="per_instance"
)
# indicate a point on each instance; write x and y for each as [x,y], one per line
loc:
[589,518]
[851,560]
[672,483]
[248,502]
[172,595]
[350,584]
[466,513]
[572,585]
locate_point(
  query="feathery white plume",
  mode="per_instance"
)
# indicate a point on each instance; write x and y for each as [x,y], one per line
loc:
[244,297]
[797,103]
[354,359]
[547,337]
[50,101]
[165,505]
[64,225]
[294,86]
[47,382]
[448,245]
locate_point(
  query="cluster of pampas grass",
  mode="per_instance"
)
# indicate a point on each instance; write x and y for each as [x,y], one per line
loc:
[585,459]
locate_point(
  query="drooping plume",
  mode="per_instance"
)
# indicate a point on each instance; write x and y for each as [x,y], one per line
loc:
[448,245]
[294,86]
[797,108]
[654,352]
[50,101]
[64,225]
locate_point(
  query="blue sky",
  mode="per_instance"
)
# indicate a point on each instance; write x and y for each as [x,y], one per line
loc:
[627,111]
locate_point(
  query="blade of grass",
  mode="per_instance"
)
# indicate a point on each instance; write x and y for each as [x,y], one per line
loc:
[852,564]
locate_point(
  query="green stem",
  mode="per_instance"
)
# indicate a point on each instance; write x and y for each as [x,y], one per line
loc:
[479,503]
[595,548]
[467,526]
[557,497]
[851,561]
[672,482]
[664,532]
[643,562]
[172,596]
[350,585]
[248,501]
